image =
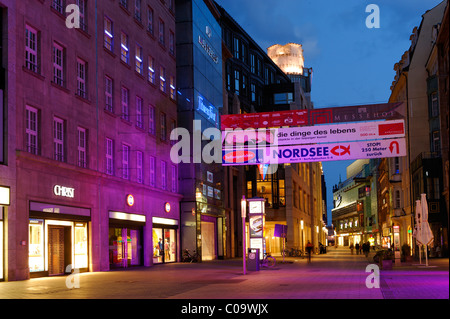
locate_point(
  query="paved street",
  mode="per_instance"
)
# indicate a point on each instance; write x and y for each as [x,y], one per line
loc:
[336,275]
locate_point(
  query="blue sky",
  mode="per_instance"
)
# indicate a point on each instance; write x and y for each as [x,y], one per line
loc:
[351,63]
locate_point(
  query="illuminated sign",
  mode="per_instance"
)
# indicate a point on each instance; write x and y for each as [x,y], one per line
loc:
[64,191]
[207,109]
[167,207]
[208,49]
[130,200]
[315,153]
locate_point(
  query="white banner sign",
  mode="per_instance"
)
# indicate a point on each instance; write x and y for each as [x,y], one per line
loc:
[357,131]
[315,152]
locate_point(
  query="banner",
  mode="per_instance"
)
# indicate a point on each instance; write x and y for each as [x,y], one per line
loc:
[359,113]
[315,152]
[357,131]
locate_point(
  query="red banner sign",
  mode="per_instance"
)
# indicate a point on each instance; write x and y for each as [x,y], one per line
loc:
[370,112]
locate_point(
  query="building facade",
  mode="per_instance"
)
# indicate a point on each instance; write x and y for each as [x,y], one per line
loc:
[417,83]
[200,100]
[90,109]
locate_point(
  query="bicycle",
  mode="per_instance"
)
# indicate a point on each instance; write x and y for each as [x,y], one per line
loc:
[268,261]
[188,257]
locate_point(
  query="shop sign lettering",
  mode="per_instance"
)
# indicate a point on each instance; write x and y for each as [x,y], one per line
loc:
[63,191]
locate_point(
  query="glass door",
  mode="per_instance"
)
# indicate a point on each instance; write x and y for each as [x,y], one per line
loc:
[124,247]
[164,245]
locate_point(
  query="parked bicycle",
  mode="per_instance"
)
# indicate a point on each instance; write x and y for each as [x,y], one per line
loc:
[190,258]
[268,261]
[295,252]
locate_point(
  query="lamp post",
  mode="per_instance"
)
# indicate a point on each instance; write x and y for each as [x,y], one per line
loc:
[243,214]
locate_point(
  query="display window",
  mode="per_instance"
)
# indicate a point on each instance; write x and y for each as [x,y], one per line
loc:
[1,248]
[164,245]
[57,246]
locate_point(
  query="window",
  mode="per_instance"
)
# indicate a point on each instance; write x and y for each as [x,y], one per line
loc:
[162,79]
[252,63]
[150,20]
[82,147]
[283,98]
[236,48]
[162,32]
[396,165]
[58,64]
[436,145]
[81,78]
[125,161]
[82,6]
[151,119]
[171,42]
[397,199]
[253,92]
[31,49]
[58,5]
[152,171]
[139,62]
[124,51]
[163,126]
[151,70]
[109,156]
[108,36]
[139,165]
[137,10]
[173,127]
[139,117]
[124,3]
[125,110]
[172,88]
[163,175]
[434,104]
[31,130]
[174,179]
[109,94]
[58,139]
[237,84]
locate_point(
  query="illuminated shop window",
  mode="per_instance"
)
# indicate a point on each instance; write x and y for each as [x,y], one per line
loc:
[36,245]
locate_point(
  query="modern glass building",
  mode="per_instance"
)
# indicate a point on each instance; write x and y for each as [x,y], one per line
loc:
[200,99]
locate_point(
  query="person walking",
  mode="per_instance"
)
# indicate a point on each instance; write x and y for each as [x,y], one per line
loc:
[366,249]
[357,248]
[352,247]
[309,248]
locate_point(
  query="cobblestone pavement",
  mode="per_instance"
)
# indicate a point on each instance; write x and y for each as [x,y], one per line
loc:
[335,275]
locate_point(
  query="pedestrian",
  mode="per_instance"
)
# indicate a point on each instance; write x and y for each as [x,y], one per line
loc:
[366,249]
[352,247]
[309,248]
[357,248]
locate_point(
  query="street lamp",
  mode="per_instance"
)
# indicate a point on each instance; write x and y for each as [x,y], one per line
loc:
[243,214]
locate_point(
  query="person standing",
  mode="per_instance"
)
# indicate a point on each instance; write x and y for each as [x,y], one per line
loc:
[352,247]
[357,248]
[309,248]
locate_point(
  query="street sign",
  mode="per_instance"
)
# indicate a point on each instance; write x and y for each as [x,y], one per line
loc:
[357,131]
[315,152]
[358,113]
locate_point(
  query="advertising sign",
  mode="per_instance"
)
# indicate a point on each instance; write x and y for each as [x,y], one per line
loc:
[357,131]
[358,113]
[315,152]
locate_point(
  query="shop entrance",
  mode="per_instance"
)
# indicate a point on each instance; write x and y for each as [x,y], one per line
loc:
[59,249]
[208,240]
[125,247]
[164,245]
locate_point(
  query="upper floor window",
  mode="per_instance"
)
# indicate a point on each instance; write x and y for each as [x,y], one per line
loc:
[152,166]
[163,126]
[125,161]
[138,58]
[139,116]
[109,35]
[151,70]
[109,94]
[58,5]
[125,103]
[162,79]
[162,34]
[31,49]
[139,167]
[109,156]
[31,130]
[172,87]
[151,119]
[58,64]
[83,21]
[81,78]
[82,147]
[58,139]
[124,50]
[137,9]
[171,42]
[150,20]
